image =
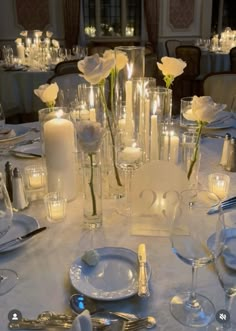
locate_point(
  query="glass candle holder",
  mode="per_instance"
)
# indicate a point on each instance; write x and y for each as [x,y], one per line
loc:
[35,177]
[55,205]
[219,184]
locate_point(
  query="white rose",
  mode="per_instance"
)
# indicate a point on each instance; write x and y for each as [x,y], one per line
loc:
[120,57]
[47,92]
[95,68]
[89,135]
[171,66]
[204,109]
[18,41]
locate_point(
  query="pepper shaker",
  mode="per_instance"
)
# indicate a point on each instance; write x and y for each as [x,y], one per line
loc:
[225,150]
[8,179]
[20,201]
[231,162]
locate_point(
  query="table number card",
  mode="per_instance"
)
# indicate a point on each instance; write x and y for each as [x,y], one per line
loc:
[155,189]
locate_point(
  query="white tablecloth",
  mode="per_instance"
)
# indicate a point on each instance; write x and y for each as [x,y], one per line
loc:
[16,90]
[43,264]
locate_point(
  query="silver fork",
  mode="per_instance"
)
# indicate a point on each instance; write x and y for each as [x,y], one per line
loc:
[138,324]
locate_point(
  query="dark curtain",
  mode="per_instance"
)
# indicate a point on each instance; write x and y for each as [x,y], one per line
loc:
[151,11]
[71,10]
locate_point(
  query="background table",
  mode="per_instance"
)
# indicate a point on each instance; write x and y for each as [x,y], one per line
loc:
[17,90]
[214,62]
[43,264]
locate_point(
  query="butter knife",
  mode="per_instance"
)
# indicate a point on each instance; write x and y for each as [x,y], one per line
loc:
[143,289]
[19,239]
[226,204]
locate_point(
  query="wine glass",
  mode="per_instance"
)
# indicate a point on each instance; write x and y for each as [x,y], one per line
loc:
[8,278]
[225,266]
[2,117]
[192,226]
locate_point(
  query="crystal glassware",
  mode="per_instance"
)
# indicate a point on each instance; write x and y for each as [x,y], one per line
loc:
[129,158]
[191,229]
[225,266]
[8,278]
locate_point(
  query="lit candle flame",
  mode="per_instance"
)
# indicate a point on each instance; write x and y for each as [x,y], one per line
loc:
[59,113]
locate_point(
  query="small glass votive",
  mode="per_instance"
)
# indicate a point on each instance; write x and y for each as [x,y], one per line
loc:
[219,184]
[35,177]
[55,205]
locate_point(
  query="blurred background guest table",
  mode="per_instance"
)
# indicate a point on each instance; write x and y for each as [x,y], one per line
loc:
[17,90]
[214,62]
[43,263]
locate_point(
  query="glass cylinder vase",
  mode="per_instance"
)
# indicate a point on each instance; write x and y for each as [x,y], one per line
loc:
[59,151]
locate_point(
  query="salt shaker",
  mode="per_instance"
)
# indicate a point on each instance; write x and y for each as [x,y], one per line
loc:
[225,150]
[231,162]
[8,179]
[20,201]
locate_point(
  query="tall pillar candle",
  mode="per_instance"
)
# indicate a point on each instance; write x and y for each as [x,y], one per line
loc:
[60,156]
[20,50]
[154,154]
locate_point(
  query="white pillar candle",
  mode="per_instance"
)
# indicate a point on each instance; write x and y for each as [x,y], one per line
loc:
[59,139]
[147,126]
[20,50]
[131,154]
[154,154]
[128,102]
[122,124]
[166,146]
[174,148]
[92,114]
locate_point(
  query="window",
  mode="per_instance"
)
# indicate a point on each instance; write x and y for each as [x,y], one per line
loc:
[223,15]
[106,19]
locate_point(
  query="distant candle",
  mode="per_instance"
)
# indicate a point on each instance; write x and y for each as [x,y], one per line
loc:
[92,114]
[84,114]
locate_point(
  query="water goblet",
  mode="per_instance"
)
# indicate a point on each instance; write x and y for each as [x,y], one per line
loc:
[2,117]
[129,157]
[8,278]
[192,226]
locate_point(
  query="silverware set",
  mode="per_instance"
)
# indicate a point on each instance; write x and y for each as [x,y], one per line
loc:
[62,321]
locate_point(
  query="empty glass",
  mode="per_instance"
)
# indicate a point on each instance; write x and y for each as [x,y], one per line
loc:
[191,229]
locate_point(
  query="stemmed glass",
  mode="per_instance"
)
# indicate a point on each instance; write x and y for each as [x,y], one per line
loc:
[129,158]
[191,229]
[8,278]
[225,266]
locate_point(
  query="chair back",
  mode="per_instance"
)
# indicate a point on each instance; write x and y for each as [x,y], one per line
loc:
[171,45]
[221,86]
[66,67]
[192,56]
[232,56]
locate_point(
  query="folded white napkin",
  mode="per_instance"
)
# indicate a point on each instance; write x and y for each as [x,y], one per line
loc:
[82,322]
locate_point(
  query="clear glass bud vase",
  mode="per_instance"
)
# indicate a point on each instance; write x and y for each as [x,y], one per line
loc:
[92,181]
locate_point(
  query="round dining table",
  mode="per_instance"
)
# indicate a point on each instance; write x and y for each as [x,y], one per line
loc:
[43,263]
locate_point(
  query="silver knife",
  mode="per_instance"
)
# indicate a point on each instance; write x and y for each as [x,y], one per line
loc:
[143,290]
[226,204]
[19,239]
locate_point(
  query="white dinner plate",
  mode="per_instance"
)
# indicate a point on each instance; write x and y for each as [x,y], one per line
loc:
[229,252]
[19,130]
[115,276]
[21,224]
[27,151]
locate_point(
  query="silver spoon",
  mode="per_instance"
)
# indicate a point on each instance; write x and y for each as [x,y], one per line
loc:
[79,303]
